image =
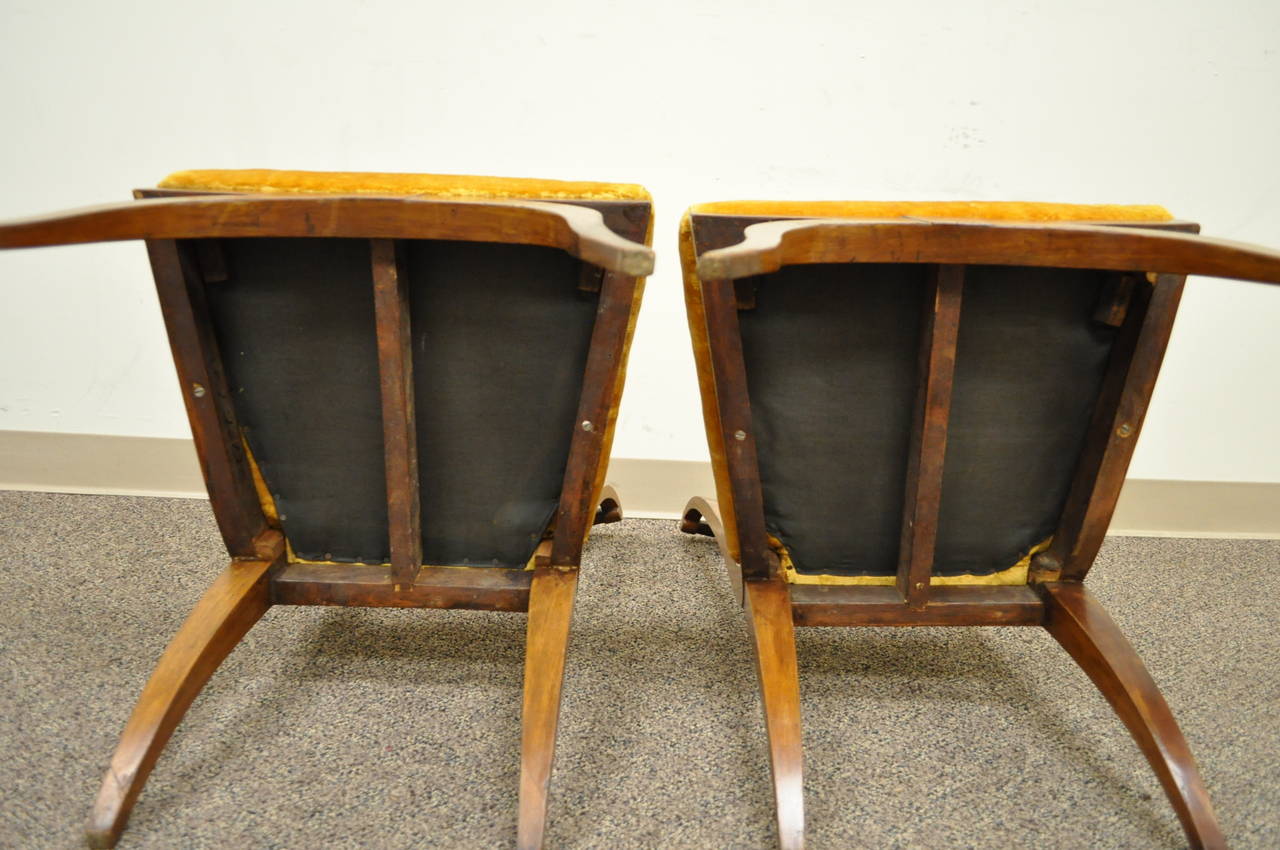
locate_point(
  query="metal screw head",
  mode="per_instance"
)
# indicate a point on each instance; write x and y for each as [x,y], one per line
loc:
[197,390]
[739,435]
[587,426]
[1124,430]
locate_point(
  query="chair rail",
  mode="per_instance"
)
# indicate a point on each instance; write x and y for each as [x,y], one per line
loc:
[580,231]
[768,246]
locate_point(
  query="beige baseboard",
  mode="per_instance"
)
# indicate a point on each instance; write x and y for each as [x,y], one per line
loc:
[50,462]
[155,466]
[1148,507]
[1157,508]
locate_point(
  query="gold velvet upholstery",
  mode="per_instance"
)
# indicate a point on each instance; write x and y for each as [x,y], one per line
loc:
[452,186]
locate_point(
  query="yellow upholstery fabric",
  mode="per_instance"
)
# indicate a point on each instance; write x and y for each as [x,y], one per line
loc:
[981,210]
[453,186]
[978,210]
[1017,574]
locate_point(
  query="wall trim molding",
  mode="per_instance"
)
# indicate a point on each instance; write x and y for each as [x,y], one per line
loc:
[52,462]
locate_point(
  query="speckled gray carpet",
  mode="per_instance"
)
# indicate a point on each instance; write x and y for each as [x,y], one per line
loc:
[383,728]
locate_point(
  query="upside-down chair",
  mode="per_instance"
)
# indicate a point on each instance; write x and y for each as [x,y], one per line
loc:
[922,414]
[402,390]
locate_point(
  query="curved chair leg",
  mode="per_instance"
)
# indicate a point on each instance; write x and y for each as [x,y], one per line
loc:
[610,509]
[700,517]
[773,635]
[229,608]
[692,521]
[550,610]
[1093,639]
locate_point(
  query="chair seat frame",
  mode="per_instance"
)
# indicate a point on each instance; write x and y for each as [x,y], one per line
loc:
[1156,259]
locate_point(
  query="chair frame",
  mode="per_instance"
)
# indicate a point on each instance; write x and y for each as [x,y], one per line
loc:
[729,248]
[605,234]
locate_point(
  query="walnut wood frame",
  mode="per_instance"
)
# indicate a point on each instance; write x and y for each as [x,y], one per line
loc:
[729,248]
[606,234]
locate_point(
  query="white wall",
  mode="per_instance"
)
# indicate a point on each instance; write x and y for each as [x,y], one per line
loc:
[1167,102]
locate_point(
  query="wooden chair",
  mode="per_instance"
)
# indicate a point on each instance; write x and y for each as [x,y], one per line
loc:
[922,414]
[402,390]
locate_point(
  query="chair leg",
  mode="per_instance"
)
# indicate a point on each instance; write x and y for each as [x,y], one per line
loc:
[701,517]
[692,522]
[768,607]
[610,507]
[229,608]
[550,610]
[773,635]
[1092,638]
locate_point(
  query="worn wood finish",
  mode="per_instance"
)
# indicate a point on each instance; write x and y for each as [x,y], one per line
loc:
[769,621]
[550,609]
[940,328]
[399,431]
[370,585]
[576,229]
[203,385]
[719,230]
[773,636]
[771,245]
[725,342]
[600,384]
[229,608]
[629,219]
[949,605]
[1113,432]
[1092,638]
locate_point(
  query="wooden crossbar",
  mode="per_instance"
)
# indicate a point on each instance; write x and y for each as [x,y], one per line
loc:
[1113,433]
[721,307]
[399,430]
[939,333]
[210,408]
[587,448]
